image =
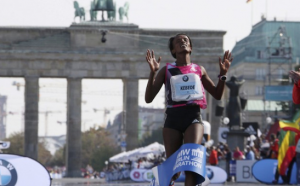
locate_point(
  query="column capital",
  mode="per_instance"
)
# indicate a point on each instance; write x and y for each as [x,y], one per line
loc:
[74,78]
[31,76]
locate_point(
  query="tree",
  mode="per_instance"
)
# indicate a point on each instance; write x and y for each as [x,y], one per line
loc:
[97,147]
[59,157]
[155,136]
[17,147]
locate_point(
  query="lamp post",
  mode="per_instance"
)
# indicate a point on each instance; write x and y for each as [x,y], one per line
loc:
[106,164]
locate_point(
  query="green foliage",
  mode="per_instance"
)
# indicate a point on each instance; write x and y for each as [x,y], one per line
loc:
[16,140]
[155,136]
[59,157]
[97,147]
[17,147]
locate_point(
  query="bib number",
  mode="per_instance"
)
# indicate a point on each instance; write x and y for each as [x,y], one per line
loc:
[186,87]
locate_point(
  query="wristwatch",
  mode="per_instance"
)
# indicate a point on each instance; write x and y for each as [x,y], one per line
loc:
[222,78]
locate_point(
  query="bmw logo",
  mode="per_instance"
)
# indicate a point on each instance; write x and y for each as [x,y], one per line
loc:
[209,173]
[4,145]
[224,135]
[185,78]
[8,174]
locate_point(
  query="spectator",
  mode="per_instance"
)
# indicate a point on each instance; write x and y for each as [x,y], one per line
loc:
[228,158]
[213,157]
[249,154]
[264,146]
[238,155]
[273,153]
[90,169]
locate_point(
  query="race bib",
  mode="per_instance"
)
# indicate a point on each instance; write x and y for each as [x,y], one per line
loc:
[186,87]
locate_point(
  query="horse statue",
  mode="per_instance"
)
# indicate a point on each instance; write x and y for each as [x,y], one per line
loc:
[111,15]
[123,11]
[79,11]
[93,13]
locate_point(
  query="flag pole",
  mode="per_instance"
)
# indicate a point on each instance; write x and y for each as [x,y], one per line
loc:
[251,13]
[266,9]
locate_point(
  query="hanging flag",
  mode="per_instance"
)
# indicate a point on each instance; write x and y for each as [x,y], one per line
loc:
[286,139]
[289,135]
[248,1]
[292,125]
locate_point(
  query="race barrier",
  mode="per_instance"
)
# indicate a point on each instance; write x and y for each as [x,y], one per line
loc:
[117,175]
[244,171]
[214,174]
[19,171]
[264,171]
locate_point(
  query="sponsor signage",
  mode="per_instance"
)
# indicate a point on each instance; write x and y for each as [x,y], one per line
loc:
[251,128]
[264,171]
[216,174]
[123,144]
[223,134]
[278,93]
[141,175]
[4,144]
[18,170]
[148,175]
[244,171]
[189,157]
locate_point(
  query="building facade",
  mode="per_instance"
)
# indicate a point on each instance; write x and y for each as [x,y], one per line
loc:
[264,58]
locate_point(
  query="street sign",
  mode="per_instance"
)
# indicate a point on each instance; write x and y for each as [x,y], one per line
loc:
[123,144]
[278,93]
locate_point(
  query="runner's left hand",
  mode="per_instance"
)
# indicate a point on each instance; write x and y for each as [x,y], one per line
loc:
[225,62]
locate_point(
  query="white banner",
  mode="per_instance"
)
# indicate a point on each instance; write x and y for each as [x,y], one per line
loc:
[244,171]
[4,144]
[20,171]
[138,175]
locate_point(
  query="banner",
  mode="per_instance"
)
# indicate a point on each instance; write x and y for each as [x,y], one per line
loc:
[251,128]
[264,171]
[4,144]
[232,167]
[18,170]
[189,157]
[278,93]
[244,171]
[222,137]
[138,175]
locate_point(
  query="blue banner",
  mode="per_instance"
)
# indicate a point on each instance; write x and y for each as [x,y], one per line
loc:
[264,171]
[278,93]
[189,157]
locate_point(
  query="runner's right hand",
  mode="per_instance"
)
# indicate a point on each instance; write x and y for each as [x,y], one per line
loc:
[150,58]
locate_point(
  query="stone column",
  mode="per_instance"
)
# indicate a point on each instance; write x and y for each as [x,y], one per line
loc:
[73,141]
[31,117]
[214,120]
[131,108]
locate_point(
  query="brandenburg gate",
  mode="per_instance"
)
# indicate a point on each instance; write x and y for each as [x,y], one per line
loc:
[77,52]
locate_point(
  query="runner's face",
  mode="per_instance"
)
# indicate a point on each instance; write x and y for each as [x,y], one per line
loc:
[181,44]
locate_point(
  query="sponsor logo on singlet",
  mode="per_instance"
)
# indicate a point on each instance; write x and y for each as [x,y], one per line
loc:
[185,78]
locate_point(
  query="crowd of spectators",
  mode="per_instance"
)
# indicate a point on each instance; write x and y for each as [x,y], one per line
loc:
[260,148]
[256,149]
